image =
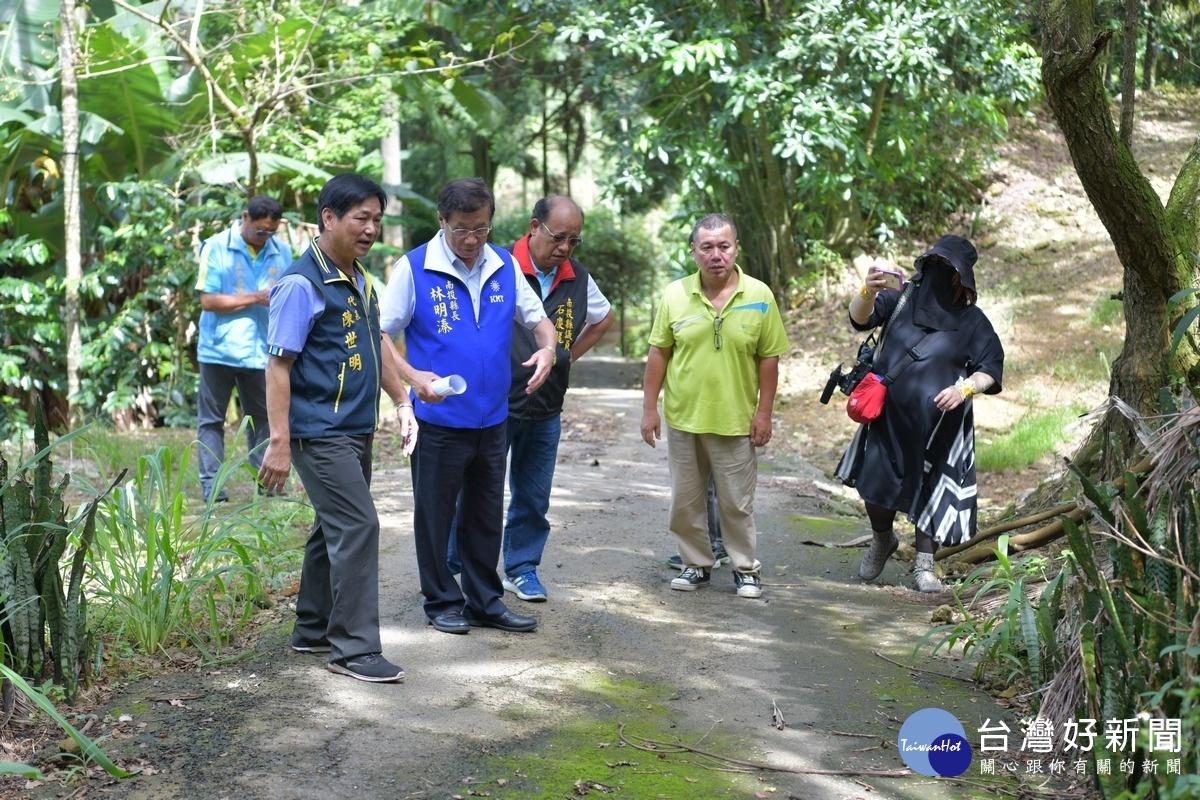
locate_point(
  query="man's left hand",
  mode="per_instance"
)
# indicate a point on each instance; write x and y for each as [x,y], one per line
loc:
[276,464]
[760,429]
[408,429]
[541,361]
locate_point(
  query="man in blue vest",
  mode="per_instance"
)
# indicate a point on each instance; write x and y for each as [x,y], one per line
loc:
[455,299]
[238,266]
[581,315]
[325,367]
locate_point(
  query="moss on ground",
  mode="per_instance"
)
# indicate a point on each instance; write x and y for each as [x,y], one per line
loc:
[588,755]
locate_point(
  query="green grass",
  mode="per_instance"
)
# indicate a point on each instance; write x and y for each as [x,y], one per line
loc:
[114,450]
[1034,435]
[1088,369]
[167,568]
[1107,312]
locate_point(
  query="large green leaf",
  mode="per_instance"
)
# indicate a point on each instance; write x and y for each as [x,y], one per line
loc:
[230,168]
[482,105]
[25,48]
[132,96]
[15,115]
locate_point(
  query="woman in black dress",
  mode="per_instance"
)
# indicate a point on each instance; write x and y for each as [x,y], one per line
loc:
[919,456]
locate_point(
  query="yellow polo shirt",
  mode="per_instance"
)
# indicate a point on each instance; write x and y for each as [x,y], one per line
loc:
[711,390]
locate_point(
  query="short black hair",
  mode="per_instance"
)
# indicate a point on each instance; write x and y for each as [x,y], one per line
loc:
[467,195]
[343,192]
[712,222]
[263,207]
[543,208]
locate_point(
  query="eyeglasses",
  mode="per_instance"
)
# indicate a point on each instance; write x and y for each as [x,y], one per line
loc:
[478,233]
[264,232]
[717,322]
[559,238]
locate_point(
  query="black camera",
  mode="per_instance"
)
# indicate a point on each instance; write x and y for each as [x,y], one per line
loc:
[846,381]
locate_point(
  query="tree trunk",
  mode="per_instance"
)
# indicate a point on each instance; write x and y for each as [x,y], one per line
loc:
[881,90]
[1128,70]
[72,223]
[481,156]
[1131,212]
[393,176]
[545,144]
[1183,221]
[252,153]
[1150,61]
[759,206]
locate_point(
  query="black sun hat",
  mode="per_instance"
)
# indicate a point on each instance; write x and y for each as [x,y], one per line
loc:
[959,252]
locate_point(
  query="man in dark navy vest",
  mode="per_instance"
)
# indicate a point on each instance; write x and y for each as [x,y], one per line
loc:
[455,299]
[326,363]
[581,315]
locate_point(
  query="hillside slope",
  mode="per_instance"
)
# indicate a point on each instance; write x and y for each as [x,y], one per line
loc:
[1047,275]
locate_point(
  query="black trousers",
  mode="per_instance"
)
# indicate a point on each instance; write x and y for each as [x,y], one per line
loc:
[339,582]
[448,461]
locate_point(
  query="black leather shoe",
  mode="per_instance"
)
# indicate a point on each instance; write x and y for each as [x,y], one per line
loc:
[508,621]
[451,622]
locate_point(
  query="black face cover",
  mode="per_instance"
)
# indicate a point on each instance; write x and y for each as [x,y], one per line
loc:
[934,307]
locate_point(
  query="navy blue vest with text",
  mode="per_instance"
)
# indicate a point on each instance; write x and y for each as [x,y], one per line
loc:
[443,337]
[567,308]
[335,380]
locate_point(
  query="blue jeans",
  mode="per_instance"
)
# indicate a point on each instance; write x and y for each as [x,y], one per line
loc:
[533,450]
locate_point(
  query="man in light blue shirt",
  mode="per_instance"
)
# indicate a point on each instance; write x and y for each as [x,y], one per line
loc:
[238,266]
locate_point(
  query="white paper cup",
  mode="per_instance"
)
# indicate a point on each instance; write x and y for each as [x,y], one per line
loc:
[451,384]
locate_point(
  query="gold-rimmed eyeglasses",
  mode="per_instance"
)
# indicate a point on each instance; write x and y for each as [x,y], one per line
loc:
[717,322]
[559,238]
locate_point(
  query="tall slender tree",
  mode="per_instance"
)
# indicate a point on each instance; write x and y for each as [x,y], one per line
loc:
[1156,244]
[72,227]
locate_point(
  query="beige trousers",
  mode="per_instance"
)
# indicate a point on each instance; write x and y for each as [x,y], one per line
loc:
[733,463]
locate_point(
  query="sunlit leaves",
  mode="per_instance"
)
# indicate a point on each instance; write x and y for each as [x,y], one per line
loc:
[692,56]
[889,105]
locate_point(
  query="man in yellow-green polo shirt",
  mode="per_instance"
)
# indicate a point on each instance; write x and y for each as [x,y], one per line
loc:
[714,348]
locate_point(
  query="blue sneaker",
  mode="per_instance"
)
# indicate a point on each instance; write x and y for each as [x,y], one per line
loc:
[526,587]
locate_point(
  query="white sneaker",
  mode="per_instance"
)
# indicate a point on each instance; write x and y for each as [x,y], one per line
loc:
[748,585]
[690,579]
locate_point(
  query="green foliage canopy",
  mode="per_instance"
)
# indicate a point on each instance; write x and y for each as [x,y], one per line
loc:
[816,123]
[879,114]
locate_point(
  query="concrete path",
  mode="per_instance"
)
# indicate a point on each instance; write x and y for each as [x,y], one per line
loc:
[621,672]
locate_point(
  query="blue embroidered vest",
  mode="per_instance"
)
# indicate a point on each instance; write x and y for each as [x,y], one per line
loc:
[335,381]
[443,338]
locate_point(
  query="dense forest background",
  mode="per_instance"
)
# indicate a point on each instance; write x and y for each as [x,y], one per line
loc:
[129,132]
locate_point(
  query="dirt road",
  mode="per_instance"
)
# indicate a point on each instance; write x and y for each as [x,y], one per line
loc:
[620,670]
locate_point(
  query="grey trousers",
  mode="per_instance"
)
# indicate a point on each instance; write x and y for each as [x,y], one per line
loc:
[714,517]
[216,387]
[339,581]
